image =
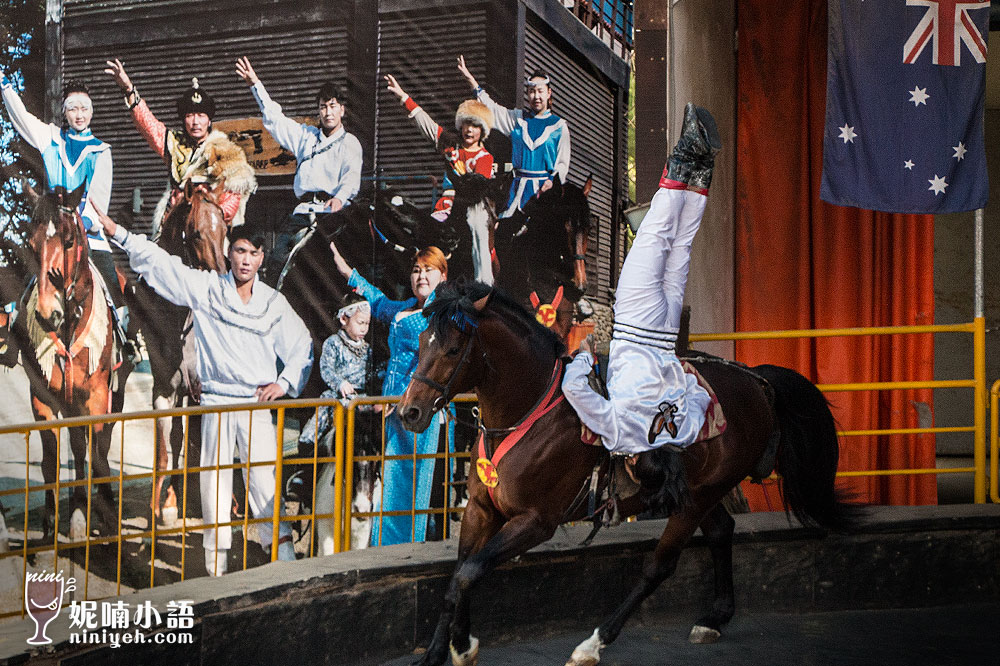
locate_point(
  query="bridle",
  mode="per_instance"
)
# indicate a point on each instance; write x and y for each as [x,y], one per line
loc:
[469,328]
[69,287]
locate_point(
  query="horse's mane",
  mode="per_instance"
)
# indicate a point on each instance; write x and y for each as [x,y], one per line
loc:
[454,303]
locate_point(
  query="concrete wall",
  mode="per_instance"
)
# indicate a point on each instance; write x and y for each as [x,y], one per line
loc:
[953,303]
[684,52]
[368,606]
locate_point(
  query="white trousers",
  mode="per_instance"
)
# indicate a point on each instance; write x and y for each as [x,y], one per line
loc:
[255,438]
[650,291]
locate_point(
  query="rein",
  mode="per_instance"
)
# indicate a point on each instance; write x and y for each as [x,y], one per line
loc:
[463,324]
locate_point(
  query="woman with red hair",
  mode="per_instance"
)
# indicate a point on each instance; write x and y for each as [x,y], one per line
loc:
[403,488]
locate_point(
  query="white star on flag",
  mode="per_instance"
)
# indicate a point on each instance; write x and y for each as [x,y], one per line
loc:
[938,185]
[908,164]
[960,151]
[918,96]
[847,134]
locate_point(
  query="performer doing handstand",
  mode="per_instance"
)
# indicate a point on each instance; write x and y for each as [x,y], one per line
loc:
[652,401]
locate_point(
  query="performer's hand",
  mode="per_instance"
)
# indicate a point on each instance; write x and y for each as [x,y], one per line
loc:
[587,344]
[342,266]
[270,392]
[109,225]
[546,186]
[245,71]
[395,88]
[333,204]
[466,73]
[346,389]
[117,70]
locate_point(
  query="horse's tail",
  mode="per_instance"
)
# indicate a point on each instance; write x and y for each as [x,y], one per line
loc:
[808,452]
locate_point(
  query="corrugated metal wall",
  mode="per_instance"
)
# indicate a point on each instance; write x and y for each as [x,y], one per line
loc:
[420,51]
[291,61]
[587,103]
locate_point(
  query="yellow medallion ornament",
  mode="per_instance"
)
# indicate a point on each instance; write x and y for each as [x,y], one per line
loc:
[487,472]
[546,315]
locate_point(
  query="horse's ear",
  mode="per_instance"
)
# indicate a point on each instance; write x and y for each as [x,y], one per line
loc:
[29,192]
[501,187]
[481,304]
[589,184]
[73,199]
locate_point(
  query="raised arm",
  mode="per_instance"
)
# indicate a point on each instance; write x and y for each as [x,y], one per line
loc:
[165,273]
[285,131]
[34,131]
[504,119]
[427,126]
[151,129]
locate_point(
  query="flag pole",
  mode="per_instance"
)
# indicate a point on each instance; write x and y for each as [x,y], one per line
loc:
[979,369]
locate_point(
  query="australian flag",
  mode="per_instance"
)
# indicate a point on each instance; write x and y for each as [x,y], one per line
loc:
[906,83]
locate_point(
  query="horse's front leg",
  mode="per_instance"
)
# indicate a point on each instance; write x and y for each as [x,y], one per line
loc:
[718,528]
[50,455]
[516,536]
[658,566]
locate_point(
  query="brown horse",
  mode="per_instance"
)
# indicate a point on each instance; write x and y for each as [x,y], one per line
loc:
[482,340]
[195,230]
[69,325]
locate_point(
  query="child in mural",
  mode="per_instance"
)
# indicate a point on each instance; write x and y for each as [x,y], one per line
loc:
[473,121]
[343,364]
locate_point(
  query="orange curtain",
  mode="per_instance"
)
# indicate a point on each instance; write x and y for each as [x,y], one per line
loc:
[802,263]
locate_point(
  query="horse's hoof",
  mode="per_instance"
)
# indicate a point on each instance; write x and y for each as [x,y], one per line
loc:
[587,653]
[703,635]
[169,516]
[77,526]
[468,658]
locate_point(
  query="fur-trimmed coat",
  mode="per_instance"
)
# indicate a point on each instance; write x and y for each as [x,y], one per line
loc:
[213,159]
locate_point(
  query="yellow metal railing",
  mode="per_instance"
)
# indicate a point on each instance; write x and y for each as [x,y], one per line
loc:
[978,383]
[994,441]
[343,456]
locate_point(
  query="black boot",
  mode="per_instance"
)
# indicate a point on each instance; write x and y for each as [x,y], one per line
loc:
[693,157]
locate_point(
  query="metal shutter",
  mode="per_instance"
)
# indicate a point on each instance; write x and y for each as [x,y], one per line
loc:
[587,103]
[291,61]
[420,51]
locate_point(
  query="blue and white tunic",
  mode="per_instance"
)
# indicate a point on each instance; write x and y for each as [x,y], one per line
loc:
[71,159]
[540,149]
[399,492]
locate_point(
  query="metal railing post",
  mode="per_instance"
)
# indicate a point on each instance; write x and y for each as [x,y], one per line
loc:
[979,374]
[277,502]
[338,479]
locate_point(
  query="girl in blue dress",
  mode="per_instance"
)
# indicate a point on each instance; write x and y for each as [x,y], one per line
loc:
[406,322]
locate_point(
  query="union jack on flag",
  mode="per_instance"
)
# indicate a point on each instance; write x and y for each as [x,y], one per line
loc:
[905,97]
[947,24]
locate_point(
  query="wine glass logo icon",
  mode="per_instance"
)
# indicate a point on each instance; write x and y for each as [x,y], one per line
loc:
[43,595]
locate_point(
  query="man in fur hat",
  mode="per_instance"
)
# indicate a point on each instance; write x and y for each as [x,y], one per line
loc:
[473,120]
[328,173]
[198,154]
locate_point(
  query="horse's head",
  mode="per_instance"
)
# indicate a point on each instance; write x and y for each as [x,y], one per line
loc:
[562,213]
[59,244]
[470,325]
[205,227]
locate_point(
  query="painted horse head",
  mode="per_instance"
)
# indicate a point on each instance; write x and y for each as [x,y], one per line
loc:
[477,338]
[557,224]
[472,222]
[195,229]
[59,244]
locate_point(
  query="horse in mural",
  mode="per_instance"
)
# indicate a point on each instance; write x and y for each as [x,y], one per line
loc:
[73,366]
[543,252]
[479,339]
[195,230]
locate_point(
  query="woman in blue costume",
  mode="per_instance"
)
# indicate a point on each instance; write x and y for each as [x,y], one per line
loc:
[406,322]
[539,139]
[73,156]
